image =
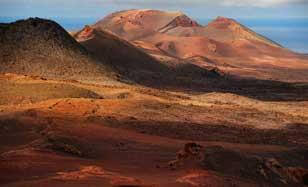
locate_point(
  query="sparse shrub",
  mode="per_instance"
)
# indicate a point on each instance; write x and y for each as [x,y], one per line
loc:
[69,145]
[11,125]
[231,162]
[124,95]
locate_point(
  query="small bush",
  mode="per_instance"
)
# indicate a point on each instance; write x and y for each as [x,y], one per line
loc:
[69,145]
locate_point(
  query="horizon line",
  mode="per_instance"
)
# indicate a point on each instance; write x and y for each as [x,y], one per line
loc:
[88,17]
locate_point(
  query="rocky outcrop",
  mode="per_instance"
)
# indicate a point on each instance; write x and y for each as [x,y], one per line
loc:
[180,21]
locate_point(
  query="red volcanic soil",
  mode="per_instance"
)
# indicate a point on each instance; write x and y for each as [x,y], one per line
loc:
[180,21]
[186,47]
[222,23]
[126,138]
[85,34]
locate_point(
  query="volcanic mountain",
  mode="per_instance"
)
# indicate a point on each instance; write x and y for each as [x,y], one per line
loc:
[245,41]
[224,30]
[139,24]
[224,43]
[134,63]
[43,48]
[176,32]
[136,24]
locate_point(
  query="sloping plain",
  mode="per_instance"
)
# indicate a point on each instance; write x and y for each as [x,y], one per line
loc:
[123,129]
[125,135]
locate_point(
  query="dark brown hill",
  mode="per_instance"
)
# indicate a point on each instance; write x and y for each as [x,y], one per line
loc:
[121,55]
[43,48]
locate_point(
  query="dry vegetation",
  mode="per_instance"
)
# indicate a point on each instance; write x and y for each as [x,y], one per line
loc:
[43,48]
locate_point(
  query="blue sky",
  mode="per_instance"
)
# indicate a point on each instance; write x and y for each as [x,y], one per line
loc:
[194,8]
[268,17]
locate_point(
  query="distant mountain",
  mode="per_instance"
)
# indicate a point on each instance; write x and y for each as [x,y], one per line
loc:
[43,48]
[178,35]
[135,24]
[224,30]
[229,29]
[174,38]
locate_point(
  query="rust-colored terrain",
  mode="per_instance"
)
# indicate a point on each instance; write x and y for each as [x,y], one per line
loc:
[112,104]
[223,43]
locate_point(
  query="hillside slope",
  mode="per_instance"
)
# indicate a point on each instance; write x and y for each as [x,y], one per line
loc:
[135,64]
[121,55]
[43,48]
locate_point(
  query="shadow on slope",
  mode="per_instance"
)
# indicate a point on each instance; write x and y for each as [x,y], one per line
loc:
[208,132]
[264,168]
[265,90]
[134,64]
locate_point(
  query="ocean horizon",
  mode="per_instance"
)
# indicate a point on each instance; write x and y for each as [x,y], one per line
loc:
[289,32]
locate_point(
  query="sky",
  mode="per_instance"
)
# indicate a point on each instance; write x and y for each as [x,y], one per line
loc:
[194,8]
[284,21]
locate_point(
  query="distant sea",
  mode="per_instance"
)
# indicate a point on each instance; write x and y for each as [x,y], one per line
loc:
[291,33]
